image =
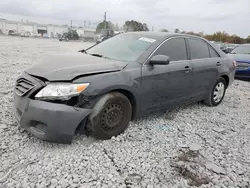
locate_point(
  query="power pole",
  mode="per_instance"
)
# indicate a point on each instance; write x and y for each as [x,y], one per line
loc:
[71,25]
[105,17]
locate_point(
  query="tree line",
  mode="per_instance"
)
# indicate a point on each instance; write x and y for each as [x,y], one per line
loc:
[133,25]
[220,36]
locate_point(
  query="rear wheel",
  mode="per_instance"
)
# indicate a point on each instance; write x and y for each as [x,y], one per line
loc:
[110,117]
[217,93]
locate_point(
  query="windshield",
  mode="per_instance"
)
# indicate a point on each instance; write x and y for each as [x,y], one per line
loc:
[241,50]
[123,47]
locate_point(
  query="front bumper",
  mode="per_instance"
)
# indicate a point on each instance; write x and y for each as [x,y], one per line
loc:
[48,121]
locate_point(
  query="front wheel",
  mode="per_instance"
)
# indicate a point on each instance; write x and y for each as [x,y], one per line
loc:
[110,117]
[217,93]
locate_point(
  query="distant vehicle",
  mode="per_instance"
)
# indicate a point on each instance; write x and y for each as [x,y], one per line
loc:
[70,35]
[230,47]
[25,33]
[131,75]
[241,54]
[13,33]
[37,35]
[223,47]
[104,34]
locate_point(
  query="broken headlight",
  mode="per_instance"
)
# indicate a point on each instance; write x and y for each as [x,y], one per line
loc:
[61,90]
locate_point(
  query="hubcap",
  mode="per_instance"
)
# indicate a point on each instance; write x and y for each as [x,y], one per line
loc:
[112,117]
[219,92]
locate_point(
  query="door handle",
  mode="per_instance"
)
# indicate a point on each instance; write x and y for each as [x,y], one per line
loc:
[218,64]
[187,69]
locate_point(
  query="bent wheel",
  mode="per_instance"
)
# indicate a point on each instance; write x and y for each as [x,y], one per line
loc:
[110,117]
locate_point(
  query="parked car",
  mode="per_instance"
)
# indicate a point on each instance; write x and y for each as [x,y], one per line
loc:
[70,35]
[102,88]
[223,47]
[25,33]
[104,34]
[13,33]
[241,54]
[230,47]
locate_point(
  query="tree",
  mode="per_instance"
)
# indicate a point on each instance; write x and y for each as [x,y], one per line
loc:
[248,39]
[101,26]
[135,26]
[177,31]
[164,30]
[117,28]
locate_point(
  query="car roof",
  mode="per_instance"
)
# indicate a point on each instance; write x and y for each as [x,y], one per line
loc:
[245,44]
[158,35]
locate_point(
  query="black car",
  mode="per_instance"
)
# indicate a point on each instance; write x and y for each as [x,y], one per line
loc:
[104,35]
[70,35]
[131,75]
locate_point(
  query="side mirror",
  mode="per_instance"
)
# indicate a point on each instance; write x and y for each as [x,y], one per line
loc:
[159,60]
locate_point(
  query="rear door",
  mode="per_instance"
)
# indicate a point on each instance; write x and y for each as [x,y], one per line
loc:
[205,62]
[164,86]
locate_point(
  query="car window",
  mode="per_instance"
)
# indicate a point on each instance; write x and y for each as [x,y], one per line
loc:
[241,49]
[123,47]
[213,53]
[174,48]
[198,49]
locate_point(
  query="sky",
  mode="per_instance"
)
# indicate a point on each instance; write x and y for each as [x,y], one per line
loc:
[208,16]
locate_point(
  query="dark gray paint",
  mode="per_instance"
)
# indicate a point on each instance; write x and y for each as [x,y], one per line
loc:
[65,67]
[153,88]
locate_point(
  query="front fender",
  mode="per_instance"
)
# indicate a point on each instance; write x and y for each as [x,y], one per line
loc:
[125,80]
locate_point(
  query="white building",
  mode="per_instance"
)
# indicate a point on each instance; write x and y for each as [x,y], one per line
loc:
[42,29]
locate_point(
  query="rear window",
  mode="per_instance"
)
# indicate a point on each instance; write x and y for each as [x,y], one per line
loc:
[198,49]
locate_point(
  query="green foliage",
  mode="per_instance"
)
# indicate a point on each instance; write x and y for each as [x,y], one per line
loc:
[164,30]
[177,31]
[101,26]
[225,37]
[248,39]
[221,36]
[117,28]
[135,26]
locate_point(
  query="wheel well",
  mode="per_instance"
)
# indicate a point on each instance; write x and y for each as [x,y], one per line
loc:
[132,100]
[226,78]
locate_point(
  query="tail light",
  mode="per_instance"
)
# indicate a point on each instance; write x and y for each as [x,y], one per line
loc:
[234,64]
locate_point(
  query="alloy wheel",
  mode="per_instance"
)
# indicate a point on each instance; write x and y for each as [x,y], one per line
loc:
[219,92]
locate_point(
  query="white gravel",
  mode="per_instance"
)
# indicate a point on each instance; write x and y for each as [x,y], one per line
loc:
[196,142]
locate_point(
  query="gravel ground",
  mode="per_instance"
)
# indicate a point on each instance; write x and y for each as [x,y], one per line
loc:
[192,146]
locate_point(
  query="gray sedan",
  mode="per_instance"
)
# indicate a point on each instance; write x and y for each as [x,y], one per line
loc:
[131,75]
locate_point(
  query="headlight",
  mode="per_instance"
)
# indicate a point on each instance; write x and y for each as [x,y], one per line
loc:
[61,90]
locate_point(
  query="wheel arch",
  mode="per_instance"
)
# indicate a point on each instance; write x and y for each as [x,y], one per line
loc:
[131,98]
[226,78]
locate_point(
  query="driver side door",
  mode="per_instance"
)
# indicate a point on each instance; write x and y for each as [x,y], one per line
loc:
[165,86]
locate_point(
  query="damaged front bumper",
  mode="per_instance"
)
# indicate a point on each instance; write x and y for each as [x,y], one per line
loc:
[48,121]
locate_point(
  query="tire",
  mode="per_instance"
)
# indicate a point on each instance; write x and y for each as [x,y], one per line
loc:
[110,116]
[222,86]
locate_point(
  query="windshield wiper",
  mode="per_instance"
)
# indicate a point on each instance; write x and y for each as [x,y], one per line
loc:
[83,51]
[97,55]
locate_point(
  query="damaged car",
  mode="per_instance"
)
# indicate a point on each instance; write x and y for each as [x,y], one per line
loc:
[102,88]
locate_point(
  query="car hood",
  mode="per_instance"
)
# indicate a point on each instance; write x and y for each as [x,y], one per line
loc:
[241,57]
[66,67]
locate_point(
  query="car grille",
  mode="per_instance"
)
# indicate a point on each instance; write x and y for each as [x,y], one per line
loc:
[23,86]
[242,66]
